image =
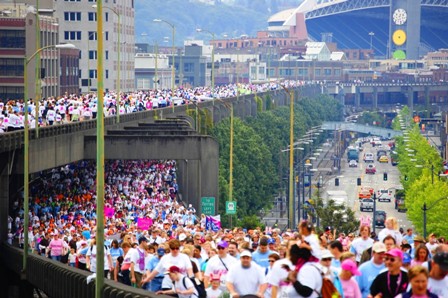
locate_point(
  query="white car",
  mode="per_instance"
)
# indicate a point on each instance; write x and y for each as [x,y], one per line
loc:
[352,164]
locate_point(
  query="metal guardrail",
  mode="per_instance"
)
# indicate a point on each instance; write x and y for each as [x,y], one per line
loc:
[59,280]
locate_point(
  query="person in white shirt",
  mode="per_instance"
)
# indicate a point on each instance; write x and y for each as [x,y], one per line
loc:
[91,258]
[391,228]
[138,256]
[182,261]
[183,286]
[360,244]
[219,265]
[438,274]
[246,277]
[432,243]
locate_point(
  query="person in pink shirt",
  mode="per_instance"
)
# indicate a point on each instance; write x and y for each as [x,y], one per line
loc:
[57,247]
[349,285]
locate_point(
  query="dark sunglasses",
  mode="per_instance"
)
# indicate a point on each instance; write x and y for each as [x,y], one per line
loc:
[174,248]
[220,248]
[389,259]
[326,259]
[271,261]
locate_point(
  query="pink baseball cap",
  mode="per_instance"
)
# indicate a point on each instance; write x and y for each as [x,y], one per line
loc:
[350,265]
[395,252]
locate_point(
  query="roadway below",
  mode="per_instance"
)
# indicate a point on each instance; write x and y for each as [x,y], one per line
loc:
[348,182]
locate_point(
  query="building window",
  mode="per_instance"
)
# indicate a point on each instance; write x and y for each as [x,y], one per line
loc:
[188,67]
[92,0]
[107,55]
[106,16]
[10,67]
[92,73]
[327,71]
[93,35]
[317,72]
[93,55]
[92,16]
[72,16]
[72,35]
[106,34]
[107,73]
[337,71]
[72,0]
[261,70]
[12,39]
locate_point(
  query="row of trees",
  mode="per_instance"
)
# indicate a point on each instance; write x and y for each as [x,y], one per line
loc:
[420,165]
[258,163]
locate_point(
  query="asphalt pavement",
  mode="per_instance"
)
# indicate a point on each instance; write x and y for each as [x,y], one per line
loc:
[348,182]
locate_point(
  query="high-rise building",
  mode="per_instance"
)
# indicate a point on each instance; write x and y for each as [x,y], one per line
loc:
[78,25]
[23,30]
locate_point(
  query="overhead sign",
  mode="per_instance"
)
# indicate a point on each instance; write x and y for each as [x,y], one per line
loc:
[230,207]
[208,205]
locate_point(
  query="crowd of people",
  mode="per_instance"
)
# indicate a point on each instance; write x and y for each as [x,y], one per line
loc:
[78,107]
[157,243]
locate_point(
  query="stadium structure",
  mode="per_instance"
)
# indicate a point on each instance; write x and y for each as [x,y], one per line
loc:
[401,29]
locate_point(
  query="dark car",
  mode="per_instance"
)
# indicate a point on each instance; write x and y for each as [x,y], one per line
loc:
[380,219]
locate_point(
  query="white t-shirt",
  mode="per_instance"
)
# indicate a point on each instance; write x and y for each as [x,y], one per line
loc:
[246,280]
[135,257]
[182,261]
[213,293]
[394,233]
[215,267]
[359,245]
[179,286]
[92,253]
[308,276]
[439,287]
[278,275]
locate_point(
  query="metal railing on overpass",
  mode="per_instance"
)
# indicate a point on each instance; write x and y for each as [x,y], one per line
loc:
[366,129]
[56,279]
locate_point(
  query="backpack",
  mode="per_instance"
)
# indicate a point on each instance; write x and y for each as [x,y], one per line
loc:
[328,289]
[198,285]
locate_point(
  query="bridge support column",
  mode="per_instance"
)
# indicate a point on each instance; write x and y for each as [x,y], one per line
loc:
[375,98]
[410,94]
[427,102]
[4,195]
[357,97]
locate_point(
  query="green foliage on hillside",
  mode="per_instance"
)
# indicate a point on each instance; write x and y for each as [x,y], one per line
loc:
[187,17]
[257,156]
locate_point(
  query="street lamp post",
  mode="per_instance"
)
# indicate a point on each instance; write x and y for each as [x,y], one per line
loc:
[291,156]
[425,208]
[99,281]
[173,33]
[26,169]
[371,34]
[118,59]
[374,213]
[213,56]
[431,168]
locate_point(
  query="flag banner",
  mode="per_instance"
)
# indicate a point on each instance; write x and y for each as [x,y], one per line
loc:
[213,223]
[144,223]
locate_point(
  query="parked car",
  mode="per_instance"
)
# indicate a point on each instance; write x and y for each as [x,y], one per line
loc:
[380,219]
[365,193]
[383,159]
[353,164]
[384,195]
[370,169]
[369,157]
[366,204]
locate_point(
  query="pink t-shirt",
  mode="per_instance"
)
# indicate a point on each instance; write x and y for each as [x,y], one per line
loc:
[56,247]
[350,288]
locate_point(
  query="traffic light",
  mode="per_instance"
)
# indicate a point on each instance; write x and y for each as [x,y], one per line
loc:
[358,181]
[336,181]
[385,176]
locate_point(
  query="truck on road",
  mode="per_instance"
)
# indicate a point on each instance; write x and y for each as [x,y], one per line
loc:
[352,154]
[339,197]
